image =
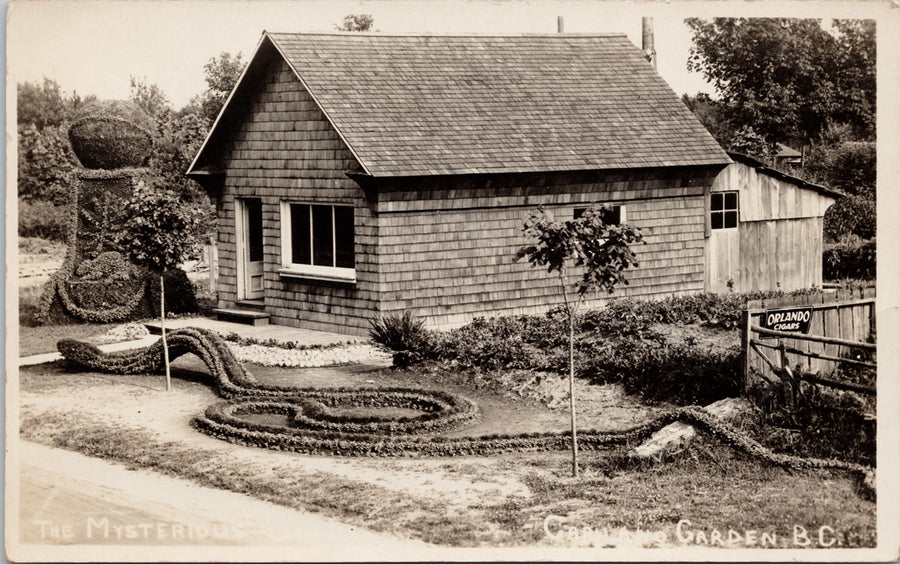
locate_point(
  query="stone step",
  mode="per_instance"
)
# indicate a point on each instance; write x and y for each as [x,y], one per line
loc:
[245,316]
[251,305]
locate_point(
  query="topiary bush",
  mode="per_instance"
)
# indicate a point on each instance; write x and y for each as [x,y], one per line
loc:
[110,265]
[313,423]
[180,297]
[111,134]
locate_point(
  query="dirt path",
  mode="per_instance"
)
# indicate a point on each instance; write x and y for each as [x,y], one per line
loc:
[69,499]
[140,402]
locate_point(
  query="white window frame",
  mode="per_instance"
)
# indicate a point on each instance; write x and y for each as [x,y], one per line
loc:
[291,269]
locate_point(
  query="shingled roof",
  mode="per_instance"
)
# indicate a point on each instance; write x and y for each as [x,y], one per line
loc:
[418,105]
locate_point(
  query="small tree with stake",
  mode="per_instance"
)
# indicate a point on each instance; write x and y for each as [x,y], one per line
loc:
[590,243]
[161,233]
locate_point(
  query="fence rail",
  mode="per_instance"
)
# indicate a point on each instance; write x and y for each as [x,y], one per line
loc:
[840,322]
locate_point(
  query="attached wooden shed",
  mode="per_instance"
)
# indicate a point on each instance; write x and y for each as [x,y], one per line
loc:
[765,229]
[357,175]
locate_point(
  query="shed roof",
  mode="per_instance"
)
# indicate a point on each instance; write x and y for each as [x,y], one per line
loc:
[761,167]
[420,105]
[785,151]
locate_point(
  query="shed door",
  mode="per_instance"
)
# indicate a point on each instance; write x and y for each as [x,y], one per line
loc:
[250,249]
[723,270]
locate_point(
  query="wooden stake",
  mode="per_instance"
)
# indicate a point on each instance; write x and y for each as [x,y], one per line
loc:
[162,312]
[572,392]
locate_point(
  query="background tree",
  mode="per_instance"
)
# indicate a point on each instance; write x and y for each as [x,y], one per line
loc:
[356,22]
[41,105]
[787,78]
[712,114]
[149,97]
[45,162]
[177,137]
[161,234]
[591,245]
[221,74]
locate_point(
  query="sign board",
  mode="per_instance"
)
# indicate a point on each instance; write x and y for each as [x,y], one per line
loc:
[792,320]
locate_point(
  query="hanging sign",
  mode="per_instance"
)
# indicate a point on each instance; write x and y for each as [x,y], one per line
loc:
[794,320]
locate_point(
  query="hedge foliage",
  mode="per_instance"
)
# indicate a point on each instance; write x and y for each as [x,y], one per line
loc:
[43,219]
[315,424]
[110,265]
[849,258]
[615,344]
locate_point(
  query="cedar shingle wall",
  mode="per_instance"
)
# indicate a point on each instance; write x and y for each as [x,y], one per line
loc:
[445,248]
[448,255]
[285,149]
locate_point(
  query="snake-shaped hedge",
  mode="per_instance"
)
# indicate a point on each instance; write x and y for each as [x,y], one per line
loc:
[315,420]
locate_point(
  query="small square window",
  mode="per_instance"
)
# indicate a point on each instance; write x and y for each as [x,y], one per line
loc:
[614,215]
[723,210]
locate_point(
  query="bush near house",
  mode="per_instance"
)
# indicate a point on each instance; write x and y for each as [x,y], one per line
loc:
[849,258]
[850,216]
[615,344]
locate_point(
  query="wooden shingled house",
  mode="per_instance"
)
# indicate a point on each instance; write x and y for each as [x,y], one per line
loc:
[358,175]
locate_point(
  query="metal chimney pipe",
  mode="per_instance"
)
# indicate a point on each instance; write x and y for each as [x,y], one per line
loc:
[647,40]
[560,24]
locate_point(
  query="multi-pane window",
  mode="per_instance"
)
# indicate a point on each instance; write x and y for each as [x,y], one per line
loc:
[723,210]
[318,239]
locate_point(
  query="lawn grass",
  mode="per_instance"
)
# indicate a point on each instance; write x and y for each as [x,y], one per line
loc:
[43,338]
[39,339]
[709,485]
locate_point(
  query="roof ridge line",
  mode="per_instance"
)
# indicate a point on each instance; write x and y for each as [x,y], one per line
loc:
[449,34]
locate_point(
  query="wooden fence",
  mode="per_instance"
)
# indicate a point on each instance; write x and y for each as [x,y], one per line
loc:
[837,321]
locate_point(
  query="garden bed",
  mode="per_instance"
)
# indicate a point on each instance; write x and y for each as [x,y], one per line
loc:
[468,501]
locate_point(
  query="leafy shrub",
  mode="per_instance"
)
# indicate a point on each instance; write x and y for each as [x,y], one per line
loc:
[849,258]
[179,292]
[823,424]
[500,342]
[404,335]
[853,215]
[677,373]
[541,342]
[107,266]
[43,219]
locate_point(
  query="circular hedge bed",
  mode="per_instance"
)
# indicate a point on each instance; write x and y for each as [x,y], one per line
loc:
[327,421]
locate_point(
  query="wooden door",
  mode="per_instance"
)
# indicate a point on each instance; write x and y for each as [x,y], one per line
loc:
[250,249]
[723,272]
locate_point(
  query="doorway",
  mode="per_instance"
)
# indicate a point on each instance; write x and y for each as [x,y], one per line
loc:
[250,258]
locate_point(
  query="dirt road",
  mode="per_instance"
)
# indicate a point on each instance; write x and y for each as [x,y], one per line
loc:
[69,499]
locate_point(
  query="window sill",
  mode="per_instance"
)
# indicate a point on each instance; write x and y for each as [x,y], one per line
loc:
[301,274]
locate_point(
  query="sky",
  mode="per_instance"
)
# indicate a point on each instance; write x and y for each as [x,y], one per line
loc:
[92,46]
[96,46]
